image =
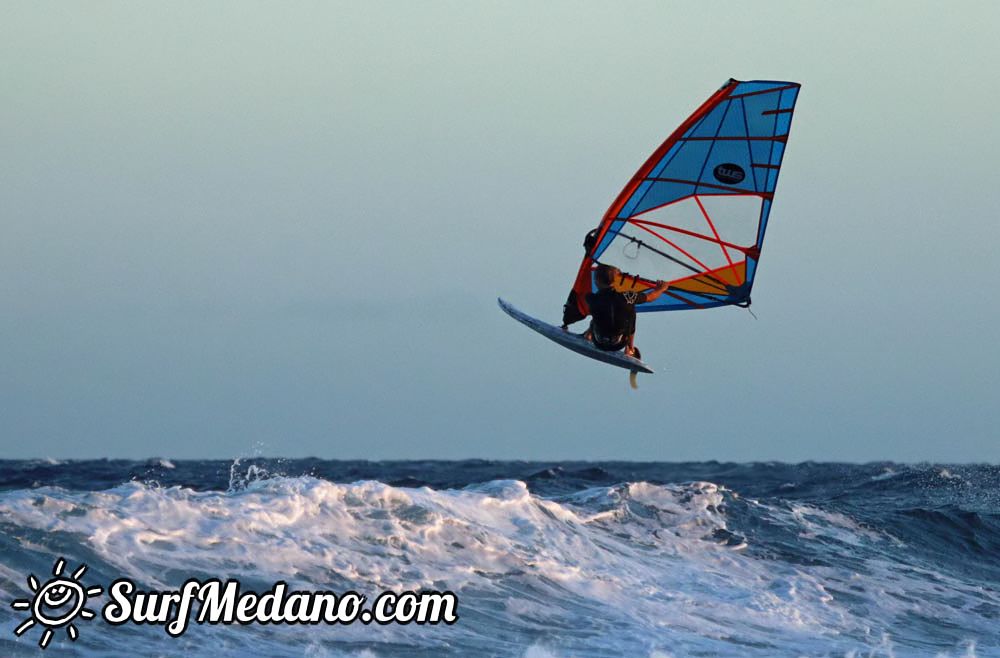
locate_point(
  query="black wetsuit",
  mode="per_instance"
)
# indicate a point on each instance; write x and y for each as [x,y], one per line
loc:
[613,316]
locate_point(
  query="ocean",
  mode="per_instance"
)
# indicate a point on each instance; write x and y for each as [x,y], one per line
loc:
[545,559]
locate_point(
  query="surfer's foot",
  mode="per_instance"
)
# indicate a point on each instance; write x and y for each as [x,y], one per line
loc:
[633,352]
[588,335]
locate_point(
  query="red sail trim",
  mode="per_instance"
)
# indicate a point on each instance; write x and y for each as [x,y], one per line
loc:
[737,190]
[714,232]
[762,195]
[581,286]
[688,254]
[669,203]
[693,234]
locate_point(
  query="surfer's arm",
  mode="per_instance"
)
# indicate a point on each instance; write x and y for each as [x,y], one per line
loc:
[661,287]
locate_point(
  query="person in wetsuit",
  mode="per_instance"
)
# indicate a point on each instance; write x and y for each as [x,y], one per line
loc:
[612,325]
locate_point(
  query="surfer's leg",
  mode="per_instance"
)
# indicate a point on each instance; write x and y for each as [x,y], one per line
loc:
[631,349]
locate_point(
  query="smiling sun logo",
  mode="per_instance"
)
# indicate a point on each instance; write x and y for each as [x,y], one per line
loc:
[56,603]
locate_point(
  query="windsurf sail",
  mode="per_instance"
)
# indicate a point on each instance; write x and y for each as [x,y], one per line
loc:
[695,213]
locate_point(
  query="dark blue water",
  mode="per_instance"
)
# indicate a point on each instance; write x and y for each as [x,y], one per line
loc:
[548,559]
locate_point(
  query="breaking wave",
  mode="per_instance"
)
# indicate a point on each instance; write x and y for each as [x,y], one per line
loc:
[630,568]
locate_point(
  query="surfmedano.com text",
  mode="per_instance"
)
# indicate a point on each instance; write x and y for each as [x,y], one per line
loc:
[220,602]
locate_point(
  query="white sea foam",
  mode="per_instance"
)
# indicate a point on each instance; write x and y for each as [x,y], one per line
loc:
[885,474]
[815,522]
[639,566]
[946,474]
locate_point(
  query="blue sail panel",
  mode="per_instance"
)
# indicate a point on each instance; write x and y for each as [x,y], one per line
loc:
[695,213]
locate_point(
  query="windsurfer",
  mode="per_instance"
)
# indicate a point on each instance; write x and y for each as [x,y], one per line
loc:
[612,325]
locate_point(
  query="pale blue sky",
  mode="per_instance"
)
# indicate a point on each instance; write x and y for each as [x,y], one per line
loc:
[280,228]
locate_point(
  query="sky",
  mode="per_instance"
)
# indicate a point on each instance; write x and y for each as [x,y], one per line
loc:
[280,229]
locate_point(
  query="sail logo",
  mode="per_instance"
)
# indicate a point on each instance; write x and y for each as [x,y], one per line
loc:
[729,173]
